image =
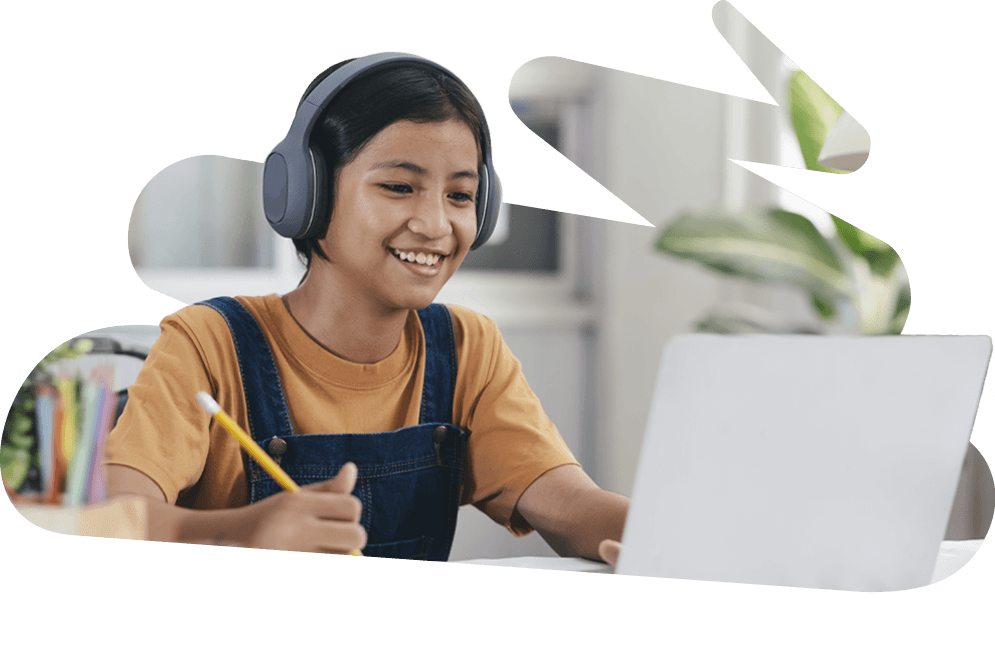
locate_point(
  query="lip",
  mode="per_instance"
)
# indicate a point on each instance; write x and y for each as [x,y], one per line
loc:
[421,250]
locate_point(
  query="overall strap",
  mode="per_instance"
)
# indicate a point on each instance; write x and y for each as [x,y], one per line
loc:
[440,365]
[264,397]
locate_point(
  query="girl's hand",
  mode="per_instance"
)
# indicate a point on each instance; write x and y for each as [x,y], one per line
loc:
[575,516]
[323,517]
[609,550]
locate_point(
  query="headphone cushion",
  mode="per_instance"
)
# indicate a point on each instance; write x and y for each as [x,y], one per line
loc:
[290,199]
[323,199]
[490,208]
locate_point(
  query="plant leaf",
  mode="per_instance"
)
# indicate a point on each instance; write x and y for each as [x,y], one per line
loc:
[826,309]
[770,245]
[902,306]
[813,114]
[880,256]
[14,465]
[716,322]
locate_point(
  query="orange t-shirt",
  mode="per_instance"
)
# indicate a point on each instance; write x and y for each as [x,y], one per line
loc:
[165,434]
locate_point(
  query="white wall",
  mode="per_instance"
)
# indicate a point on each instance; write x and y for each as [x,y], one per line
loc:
[649,297]
[664,148]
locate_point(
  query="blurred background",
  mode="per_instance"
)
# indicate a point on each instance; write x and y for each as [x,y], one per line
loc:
[588,305]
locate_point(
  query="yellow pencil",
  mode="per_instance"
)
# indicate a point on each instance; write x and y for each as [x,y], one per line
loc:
[251,447]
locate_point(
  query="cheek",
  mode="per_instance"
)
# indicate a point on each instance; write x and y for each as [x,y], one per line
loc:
[357,227]
[345,242]
[466,232]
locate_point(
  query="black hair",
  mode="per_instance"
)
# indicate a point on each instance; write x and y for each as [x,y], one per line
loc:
[368,105]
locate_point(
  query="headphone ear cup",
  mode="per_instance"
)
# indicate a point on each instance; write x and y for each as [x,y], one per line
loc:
[294,191]
[322,197]
[488,206]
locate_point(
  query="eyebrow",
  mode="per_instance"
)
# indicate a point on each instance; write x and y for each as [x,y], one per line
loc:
[414,168]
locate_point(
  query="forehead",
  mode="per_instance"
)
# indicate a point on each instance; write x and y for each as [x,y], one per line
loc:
[447,143]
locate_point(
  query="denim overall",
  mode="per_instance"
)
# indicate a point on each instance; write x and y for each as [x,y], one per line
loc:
[410,479]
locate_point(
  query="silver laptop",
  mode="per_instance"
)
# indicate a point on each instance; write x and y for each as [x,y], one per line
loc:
[809,461]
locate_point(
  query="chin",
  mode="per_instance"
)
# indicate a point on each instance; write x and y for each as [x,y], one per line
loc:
[421,303]
[416,301]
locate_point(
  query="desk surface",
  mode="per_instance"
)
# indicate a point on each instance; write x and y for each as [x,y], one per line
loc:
[954,554]
[126,519]
[123,518]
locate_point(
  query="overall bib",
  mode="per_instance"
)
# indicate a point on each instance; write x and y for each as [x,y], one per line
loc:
[410,480]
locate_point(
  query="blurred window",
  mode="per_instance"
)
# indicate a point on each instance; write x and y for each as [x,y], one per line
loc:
[202,212]
[526,239]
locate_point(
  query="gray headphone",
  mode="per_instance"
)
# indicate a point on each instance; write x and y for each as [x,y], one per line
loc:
[295,197]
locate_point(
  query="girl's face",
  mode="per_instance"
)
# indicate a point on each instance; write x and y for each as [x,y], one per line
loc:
[404,214]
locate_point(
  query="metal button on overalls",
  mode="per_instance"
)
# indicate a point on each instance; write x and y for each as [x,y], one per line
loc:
[439,435]
[277,447]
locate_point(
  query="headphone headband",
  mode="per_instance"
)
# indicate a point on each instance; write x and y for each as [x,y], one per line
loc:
[293,174]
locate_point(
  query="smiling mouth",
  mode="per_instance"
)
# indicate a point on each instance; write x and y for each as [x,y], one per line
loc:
[420,258]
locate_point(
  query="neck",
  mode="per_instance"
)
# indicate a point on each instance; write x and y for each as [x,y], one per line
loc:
[348,326]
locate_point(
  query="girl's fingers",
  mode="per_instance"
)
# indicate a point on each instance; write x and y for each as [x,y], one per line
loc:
[327,505]
[340,507]
[339,537]
[609,550]
[322,517]
[342,483]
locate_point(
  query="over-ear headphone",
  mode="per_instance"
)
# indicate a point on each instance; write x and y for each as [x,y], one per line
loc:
[295,196]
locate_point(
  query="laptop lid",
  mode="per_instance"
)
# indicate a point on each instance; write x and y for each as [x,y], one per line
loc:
[812,461]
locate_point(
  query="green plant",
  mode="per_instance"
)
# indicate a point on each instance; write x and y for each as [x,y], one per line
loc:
[848,269]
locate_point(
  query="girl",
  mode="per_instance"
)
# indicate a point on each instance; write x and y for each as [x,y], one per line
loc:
[391,411]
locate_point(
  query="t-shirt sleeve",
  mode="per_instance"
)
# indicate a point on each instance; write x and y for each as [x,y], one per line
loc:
[163,432]
[512,441]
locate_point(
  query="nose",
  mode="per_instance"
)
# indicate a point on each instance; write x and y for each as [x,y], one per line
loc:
[430,216]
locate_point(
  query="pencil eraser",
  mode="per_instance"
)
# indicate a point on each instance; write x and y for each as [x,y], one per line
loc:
[207,403]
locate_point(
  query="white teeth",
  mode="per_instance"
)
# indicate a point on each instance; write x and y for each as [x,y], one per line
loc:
[420,257]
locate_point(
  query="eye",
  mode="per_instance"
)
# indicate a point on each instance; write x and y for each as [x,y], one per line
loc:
[462,197]
[398,188]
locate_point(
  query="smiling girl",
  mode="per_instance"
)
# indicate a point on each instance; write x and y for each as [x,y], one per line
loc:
[390,411]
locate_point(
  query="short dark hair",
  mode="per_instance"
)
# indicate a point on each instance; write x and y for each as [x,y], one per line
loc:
[368,105]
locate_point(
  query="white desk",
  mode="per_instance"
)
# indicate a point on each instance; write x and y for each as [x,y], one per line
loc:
[954,554]
[125,518]
[121,518]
